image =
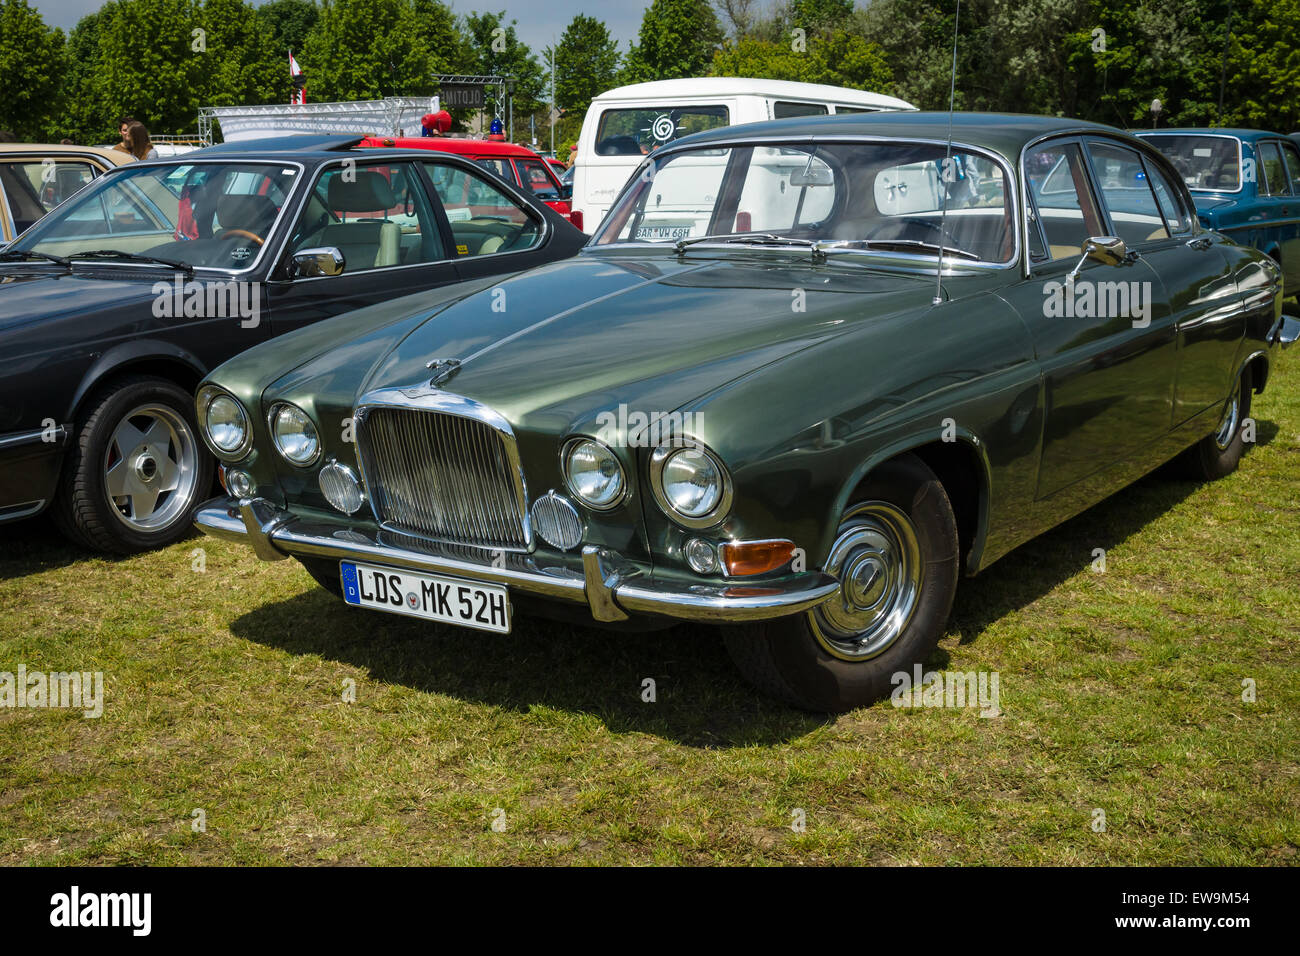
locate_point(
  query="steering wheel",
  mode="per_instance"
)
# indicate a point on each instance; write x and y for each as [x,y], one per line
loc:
[243,232]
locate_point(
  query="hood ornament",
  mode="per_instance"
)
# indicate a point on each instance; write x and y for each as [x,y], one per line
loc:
[443,370]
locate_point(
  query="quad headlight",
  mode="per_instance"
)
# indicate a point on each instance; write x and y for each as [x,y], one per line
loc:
[294,434]
[593,473]
[690,484]
[223,422]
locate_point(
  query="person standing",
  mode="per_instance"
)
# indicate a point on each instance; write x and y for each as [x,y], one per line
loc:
[123,125]
[138,143]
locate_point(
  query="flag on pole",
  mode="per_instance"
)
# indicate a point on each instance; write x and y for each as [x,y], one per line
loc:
[299,79]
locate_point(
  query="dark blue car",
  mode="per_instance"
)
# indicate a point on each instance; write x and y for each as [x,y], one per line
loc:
[1246,184]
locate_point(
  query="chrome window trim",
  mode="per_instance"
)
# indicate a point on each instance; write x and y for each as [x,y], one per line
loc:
[426,398]
[1003,163]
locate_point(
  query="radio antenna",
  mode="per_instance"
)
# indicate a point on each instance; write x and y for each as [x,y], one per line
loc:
[947,161]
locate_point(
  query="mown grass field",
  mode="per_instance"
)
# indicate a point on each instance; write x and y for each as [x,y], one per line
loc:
[1120,691]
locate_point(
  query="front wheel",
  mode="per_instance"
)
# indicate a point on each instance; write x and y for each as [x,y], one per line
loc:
[135,468]
[896,554]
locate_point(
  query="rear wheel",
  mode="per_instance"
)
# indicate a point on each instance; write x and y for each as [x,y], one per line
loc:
[896,555]
[1217,455]
[135,470]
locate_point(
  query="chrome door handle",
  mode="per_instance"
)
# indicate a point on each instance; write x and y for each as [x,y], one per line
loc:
[1200,242]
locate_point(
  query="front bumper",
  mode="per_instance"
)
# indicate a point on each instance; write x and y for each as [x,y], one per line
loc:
[612,587]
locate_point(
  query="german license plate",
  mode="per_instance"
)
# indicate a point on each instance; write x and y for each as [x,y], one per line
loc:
[664,231]
[430,596]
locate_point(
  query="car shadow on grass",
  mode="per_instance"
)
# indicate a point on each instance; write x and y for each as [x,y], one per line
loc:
[701,700]
[1043,563]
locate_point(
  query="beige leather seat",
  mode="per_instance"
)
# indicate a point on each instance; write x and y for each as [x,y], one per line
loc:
[365,243]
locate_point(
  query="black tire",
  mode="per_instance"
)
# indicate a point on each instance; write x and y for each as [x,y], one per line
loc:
[86,512]
[1213,457]
[325,573]
[790,658]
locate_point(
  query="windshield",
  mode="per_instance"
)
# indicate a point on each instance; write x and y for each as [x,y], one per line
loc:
[882,196]
[1204,162]
[207,215]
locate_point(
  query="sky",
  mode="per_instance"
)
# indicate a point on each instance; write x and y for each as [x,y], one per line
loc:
[539,22]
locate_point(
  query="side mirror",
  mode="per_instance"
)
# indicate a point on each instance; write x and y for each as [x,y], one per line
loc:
[566,191]
[1108,250]
[321,261]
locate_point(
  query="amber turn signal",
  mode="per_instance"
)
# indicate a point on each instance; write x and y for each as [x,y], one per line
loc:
[742,558]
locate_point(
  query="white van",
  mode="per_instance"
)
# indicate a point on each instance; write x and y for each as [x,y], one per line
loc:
[624,124]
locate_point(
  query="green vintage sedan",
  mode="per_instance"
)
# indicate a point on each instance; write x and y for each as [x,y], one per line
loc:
[805,376]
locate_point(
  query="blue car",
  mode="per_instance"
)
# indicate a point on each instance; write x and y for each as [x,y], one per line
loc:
[1246,184]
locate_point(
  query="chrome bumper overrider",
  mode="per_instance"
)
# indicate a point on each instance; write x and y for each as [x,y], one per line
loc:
[612,587]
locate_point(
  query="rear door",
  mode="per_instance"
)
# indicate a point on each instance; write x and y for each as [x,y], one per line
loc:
[1104,340]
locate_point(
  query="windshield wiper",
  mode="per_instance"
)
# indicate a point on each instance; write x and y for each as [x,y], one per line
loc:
[750,238]
[132,257]
[14,255]
[914,244]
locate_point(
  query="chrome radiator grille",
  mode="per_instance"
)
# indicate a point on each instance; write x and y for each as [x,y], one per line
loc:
[443,476]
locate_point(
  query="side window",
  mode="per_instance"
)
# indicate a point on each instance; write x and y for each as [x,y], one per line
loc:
[376,215]
[781,110]
[532,173]
[499,167]
[1291,155]
[34,187]
[483,219]
[1063,203]
[1273,180]
[1178,218]
[1125,189]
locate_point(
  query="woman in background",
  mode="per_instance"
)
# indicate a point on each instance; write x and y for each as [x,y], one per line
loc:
[138,140]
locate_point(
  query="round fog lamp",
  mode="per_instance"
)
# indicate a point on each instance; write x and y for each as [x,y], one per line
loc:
[701,556]
[341,487]
[239,483]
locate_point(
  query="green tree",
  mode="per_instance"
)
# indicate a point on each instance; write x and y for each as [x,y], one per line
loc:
[149,63]
[838,59]
[586,63]
[241,63]
[493,48]
[289,21]
[366,49]
[32,63]
[677,39]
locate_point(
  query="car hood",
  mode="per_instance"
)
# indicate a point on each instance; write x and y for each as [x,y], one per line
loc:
[550,347]
[30,296]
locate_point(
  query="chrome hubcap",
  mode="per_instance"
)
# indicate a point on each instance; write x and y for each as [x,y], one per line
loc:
[1231,419]
[151,467]
[877,558]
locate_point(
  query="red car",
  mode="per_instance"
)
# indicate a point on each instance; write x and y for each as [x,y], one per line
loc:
[514,164]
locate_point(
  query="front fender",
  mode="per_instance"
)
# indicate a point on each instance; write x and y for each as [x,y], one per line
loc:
[136,352]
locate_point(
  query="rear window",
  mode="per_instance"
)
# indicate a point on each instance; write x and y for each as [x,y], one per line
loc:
[782,110]
[635,132]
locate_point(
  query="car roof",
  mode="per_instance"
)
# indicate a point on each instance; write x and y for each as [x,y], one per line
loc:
[300,144]
[452,144]
[1247,134]
[715,86]
[56,149]
[1004,133]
